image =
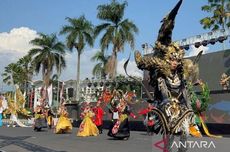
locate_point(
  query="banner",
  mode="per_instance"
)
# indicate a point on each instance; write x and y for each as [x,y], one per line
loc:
[50,95]
[62,92]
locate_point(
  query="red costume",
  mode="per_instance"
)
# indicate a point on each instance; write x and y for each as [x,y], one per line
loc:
[98,117]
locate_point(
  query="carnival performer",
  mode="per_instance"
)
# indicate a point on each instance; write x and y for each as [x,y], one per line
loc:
[120,124]
[149,118]
[99,113]
[87,127]
[3,106]
[168,75]
[39,118]
[15,106]
[224,81]
[49,117]
[200,105]
[64,124]
[112,105]
[106,96]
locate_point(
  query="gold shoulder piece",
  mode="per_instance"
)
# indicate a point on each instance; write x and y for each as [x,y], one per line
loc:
[138,59]
[144,63]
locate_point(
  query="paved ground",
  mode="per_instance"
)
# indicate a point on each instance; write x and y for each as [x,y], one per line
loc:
[26,140]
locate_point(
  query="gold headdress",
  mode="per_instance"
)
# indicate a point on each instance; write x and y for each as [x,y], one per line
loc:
[165,49]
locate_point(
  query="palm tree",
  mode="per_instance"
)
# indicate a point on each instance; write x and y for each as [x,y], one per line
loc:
[19,73]
[99,68]
[79,33]
[25,63]
[48,54]
[117,31]
[13,74]
[221,14]
[220,19]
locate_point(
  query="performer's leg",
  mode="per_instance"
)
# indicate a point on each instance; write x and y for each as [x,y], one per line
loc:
[183,139]
[112,123]
[100,129]
[148,130]
[169,141]
[152,130]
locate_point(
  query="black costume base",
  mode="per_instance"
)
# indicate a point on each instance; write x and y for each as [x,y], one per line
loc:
[100,129]
[123,131]
[150,130]
[39,124]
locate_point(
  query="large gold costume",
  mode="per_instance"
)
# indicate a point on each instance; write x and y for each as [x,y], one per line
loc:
[64,125]
[87,127]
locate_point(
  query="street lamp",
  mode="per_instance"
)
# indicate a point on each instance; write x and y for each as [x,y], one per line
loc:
[107,84]
[101,84]
[95,84]
[58,73]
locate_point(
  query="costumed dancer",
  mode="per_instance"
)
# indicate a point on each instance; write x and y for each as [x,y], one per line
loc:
[99,113]
[39,118]
[64,124]
[149,119]
[150,123]
[3,106]
[49,117]
[167,72]
[200,105]
[121,110]
[15,106]
[87,127]
[224,81]
[106,96]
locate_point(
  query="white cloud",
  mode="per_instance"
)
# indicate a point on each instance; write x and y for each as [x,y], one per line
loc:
[17,40]
[14,45]
[194,51]
[131,68]
[86,65]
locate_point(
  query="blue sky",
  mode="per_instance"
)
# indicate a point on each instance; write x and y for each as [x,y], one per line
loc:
[28,17]
[48,16]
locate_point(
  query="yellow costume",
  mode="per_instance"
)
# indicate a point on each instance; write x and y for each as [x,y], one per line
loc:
[87,127]
[49,120]
[64,124]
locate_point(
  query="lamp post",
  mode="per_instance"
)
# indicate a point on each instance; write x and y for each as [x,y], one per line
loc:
[59,73]
[32,94]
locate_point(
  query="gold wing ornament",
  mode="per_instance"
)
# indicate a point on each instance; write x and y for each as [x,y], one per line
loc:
[12,109]
[191,71]
[16,107]
[20,98]
[151,63]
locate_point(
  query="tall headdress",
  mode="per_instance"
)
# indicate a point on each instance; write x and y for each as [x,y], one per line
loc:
[165,32]
[164,50]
